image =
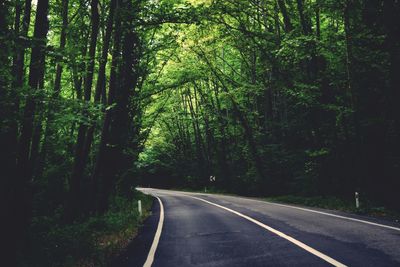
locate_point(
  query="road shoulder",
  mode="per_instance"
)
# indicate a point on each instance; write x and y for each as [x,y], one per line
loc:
[136,252]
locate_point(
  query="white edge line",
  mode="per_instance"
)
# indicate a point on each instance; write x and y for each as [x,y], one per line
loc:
[153,248]
[309,210]
[330,214]
[299,208]
[289,238]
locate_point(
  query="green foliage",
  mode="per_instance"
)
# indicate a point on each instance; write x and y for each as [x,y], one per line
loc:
[258,100]
[334,203]
[93,240]
[318,201]
[269,98]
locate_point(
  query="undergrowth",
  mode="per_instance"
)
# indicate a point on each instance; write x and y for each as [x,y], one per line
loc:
[367,207]
[90,242]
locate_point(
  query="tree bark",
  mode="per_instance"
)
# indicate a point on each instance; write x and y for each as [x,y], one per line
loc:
[36,75]
[75,195]
[318,19]
[63,38]
[304,19]
[99,178]
[49,133]
[100,88]
[8,198]
[286,17]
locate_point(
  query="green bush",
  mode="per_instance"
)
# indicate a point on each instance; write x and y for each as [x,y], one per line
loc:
[93,240]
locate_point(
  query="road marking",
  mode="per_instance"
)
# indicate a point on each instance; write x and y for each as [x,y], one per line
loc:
[330,214]
[305,209]
[290,239]
[152,252]
[298,208]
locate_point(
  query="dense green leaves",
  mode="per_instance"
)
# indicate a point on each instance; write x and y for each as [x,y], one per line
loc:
[270,96]
[297,99]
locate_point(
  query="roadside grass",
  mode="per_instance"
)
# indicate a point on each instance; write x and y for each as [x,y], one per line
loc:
[367,207]
[89,243]
[207,190]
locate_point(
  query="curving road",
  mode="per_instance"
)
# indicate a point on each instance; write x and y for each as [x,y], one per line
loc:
[193,229]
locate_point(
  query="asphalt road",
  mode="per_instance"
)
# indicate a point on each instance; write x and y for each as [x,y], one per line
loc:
[192,229]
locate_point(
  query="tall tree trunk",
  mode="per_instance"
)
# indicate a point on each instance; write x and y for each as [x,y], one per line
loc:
[36,74]
[349,51]
[122,117]
[304,19]
[19,57]
[99,178]
[8,188]
[63,38]
[286,17]
[18,73]
[222,149]
[75,194]
[318,18]
[197,136]
[352,93]
[120,127]
[390,13]
[100,88]
[49,133]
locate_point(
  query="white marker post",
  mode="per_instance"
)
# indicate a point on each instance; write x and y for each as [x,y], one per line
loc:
[140,207]
[356,195]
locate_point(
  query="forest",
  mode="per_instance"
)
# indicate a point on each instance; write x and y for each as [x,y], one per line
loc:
[272,97]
